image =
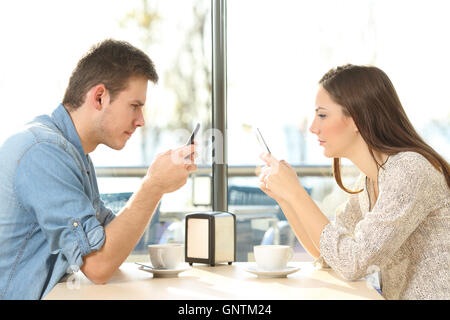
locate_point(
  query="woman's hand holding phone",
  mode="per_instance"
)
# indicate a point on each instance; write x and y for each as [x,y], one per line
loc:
[278,179]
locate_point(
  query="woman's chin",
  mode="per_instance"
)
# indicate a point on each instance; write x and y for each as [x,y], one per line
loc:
[327,154]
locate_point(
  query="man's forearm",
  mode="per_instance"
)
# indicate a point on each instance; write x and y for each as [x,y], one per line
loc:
[122,234]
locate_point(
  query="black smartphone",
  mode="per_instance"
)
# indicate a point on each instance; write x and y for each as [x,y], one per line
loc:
[192,137]
[261,141]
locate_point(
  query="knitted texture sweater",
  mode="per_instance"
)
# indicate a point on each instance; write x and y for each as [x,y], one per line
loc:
[404,235]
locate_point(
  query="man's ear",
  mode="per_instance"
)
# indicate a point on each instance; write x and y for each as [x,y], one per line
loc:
[98,94]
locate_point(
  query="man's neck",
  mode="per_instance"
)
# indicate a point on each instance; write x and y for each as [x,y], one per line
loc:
[81,123]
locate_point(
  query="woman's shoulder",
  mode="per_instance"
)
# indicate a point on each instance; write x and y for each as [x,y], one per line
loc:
[413,166]
[409,161]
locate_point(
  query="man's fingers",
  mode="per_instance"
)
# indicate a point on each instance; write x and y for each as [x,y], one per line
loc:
[186,151]
[191,167]
[182,155]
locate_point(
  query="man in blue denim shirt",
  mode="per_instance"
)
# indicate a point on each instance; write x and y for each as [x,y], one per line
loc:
[52,221]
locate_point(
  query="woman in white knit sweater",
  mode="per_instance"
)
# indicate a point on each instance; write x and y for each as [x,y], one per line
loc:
[398,218]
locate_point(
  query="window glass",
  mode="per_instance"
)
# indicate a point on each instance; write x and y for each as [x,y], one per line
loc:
[278,52]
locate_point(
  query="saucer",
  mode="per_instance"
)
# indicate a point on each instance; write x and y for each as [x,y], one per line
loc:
[162,273]
[272,274]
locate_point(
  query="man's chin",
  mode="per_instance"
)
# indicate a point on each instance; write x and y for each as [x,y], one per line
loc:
[116,146]
[119,147]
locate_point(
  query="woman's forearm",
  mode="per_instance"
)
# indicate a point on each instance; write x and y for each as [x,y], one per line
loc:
[280,181]
[299,230]
[309,219]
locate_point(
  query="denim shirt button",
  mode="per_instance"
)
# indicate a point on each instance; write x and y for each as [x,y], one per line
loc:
[75,224]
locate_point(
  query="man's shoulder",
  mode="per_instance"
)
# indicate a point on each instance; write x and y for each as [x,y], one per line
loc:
[39,131]
[44,130]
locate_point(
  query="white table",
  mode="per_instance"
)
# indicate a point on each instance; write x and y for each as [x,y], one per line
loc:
[223,282]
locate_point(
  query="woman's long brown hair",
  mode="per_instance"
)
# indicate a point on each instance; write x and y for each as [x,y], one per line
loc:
[368,96]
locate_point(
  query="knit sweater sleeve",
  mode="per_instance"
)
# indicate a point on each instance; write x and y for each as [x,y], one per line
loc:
[402,205]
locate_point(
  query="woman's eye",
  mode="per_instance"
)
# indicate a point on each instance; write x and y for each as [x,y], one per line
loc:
[322,115]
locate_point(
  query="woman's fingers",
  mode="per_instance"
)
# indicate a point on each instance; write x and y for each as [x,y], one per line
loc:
[266,170]
[268,158]
[264,188]
[270,161]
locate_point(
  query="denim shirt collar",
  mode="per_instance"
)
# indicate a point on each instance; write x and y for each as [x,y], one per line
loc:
[64,123]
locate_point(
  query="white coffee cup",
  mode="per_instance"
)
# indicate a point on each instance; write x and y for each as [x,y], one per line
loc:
[272,257]
[166,256]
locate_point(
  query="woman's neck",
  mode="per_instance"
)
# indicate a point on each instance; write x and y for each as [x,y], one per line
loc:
[365,162]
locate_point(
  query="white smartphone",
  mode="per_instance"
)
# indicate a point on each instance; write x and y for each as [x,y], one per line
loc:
[261,141]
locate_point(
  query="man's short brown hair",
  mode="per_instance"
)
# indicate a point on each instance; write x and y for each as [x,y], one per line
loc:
[111,63]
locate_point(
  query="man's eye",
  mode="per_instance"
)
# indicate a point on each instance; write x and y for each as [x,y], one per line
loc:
[322,115]
[135,106]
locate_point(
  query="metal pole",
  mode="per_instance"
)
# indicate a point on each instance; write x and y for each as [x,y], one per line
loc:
[219,103]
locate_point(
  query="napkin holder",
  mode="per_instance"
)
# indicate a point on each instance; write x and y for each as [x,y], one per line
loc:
[210,238]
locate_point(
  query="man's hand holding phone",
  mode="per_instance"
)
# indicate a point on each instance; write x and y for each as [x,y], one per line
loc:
[170,170]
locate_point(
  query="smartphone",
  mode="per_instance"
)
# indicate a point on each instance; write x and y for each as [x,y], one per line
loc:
[261,141]
[192,137]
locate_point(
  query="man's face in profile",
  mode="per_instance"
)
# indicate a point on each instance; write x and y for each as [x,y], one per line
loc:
[121,117]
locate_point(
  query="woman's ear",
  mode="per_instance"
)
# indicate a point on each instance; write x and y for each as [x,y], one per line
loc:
[354,127]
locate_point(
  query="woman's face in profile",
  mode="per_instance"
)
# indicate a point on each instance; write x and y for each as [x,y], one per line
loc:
[335,131]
